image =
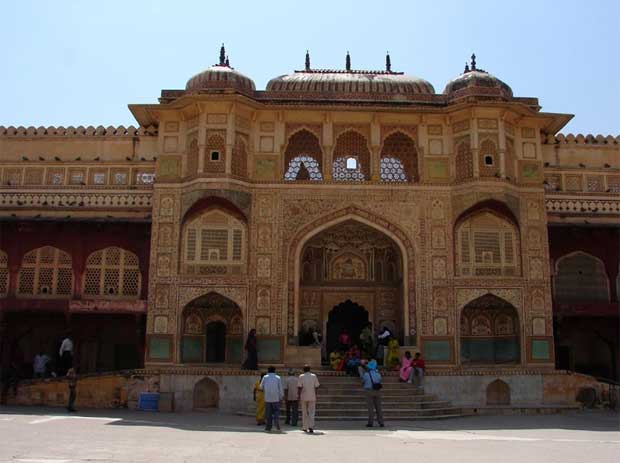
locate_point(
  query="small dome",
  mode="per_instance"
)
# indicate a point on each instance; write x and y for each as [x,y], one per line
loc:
[349,84]
[220,76]
[474,81]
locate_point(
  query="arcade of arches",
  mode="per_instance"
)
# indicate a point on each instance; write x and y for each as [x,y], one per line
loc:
[350,274]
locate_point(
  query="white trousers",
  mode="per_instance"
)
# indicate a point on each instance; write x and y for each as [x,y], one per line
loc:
[308,408]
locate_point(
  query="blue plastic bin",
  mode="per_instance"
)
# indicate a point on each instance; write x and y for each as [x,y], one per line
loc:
[148,401]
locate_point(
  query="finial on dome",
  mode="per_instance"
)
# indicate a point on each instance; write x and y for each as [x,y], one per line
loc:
[348,62]
[466,68]
[473,61]
[307,60]
[222,56]
[227,61]
[388,62]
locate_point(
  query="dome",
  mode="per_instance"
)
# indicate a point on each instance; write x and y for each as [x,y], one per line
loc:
[349,84]
[474,81]
[220,76]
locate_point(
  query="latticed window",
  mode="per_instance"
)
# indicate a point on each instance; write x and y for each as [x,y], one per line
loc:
[46,272]
[487,246]
[303,168]
[348,170]
[463,161]
[4,273]
[351,145]
[214,238]
[581,278]
[112,273]
[392,170]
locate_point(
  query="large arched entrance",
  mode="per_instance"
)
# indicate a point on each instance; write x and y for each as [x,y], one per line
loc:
[345,316]
[350,261]
[212,330]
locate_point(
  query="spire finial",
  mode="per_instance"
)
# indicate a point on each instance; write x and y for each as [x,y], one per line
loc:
[348,62]
[473,61]
[466,68]
[307,60]
[222,56]
[388,62]
[227,61]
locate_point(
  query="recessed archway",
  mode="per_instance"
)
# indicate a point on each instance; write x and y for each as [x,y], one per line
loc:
[348,316]
[206,394]
[211,330]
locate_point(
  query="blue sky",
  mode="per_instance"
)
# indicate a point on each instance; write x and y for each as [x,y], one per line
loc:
[82,62]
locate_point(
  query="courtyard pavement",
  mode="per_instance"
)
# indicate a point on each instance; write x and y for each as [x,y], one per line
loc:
[48,435]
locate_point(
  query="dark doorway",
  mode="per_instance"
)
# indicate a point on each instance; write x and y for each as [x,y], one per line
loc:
[216,342]
[347,315]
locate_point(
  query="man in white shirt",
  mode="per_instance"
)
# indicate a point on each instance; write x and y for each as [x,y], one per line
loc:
[66,354]
[291,389]
[271,385]
[308,383]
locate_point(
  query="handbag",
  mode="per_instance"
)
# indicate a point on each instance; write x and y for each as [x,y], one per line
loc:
[375,386]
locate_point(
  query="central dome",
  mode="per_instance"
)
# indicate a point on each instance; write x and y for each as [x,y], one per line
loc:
[221,77]
[349,84]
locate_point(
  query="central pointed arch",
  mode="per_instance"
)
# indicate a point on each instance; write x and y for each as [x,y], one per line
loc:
[371,220]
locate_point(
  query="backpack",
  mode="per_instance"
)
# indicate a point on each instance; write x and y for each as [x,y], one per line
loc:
[375,386]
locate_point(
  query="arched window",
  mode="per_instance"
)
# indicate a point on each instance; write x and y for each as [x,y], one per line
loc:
[399,159]
[4,273]
[46,272]
[112,273]
[487,245]
[463,161]
[303,168]
[351,158]
[212,242]
[303,157]
[581,278]
[489,160]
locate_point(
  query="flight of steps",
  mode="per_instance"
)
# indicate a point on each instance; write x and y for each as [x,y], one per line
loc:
[341,397]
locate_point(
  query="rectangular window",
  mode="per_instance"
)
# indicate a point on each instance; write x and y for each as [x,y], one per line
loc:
[236,254]
[215,155]
[213,240]
[191,245]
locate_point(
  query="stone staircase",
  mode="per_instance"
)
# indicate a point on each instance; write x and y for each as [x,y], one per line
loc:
[341,397]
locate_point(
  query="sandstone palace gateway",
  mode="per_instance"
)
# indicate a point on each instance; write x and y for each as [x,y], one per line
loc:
[461,219]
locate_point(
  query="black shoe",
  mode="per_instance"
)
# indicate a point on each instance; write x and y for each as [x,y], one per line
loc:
[369,425]
[304,430]
[71,410]
[310,430]
[381,425]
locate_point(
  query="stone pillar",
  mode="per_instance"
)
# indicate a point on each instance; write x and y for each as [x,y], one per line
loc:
[475,149]
[502,148]
[375,150]
[202,141]
[230,142]
[328,143]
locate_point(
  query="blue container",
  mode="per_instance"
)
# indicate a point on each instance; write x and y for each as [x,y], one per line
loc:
[148,401]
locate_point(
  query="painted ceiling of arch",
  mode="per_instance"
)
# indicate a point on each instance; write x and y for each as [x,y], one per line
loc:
[351,234]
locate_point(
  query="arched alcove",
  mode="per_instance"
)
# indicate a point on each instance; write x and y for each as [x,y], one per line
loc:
[206,394]
[498,393]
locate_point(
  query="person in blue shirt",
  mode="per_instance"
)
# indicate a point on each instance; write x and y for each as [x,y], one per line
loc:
[371,382]
[271,385]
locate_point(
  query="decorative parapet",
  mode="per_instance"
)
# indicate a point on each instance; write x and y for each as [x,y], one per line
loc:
[580,139]
[76,200]
[572,206]
[81,131]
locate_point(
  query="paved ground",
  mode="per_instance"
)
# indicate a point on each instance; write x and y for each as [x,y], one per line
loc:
[43,435]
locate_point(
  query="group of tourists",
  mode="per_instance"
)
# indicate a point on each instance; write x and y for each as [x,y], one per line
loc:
[298,392]
[348,355]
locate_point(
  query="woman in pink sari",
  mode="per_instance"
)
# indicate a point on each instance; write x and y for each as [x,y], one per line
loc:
[405,367]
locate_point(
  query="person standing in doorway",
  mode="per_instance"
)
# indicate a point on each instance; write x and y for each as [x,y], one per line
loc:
[72,382]
[271,385]
[372,384]
[66,354]
[308,384]
[367,339]
[251,347]
[292,398]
